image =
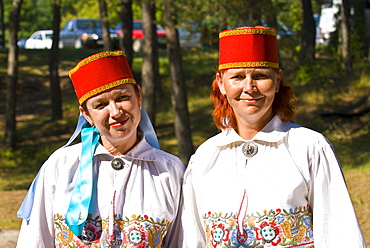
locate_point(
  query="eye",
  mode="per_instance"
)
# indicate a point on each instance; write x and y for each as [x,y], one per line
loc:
[237,76]
[261,76]
[123,97]
[99,105]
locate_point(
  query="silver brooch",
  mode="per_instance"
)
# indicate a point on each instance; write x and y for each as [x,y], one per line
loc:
[249,149]
[117,163]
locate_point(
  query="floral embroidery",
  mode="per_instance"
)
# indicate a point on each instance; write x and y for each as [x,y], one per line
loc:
[219,234]
[135,232]
[276,228]
[136,236]
[269,233]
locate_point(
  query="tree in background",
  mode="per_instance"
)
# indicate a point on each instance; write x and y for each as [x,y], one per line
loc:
[359,25]
[178,88]
[307,55]
[10,108]
[125,39]
[2,25]
[55,92]
[105,25]
[150,68]
[345,36]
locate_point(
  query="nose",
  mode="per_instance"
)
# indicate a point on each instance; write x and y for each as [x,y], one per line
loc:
[249,84]
[115,110]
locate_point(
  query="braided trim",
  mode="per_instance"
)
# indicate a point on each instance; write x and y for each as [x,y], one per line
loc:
[248,31]
[96,57]
[106,87]
[248,64]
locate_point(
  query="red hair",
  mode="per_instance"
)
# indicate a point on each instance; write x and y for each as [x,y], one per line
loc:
[284,105]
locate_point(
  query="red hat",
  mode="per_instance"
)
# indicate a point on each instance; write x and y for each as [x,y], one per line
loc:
[100,72]
[248,47]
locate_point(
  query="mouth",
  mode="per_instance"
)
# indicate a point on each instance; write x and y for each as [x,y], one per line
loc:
[250,100]
[120,123]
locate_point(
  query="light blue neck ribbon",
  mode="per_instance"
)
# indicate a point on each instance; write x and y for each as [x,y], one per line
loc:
[82,192]
[81,195]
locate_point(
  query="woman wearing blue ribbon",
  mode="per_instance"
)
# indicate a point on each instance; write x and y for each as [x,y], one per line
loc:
[115,188]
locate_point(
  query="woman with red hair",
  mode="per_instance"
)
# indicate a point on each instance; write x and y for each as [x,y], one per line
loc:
[263,181]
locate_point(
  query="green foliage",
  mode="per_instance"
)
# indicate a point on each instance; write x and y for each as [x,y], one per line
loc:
[35,15]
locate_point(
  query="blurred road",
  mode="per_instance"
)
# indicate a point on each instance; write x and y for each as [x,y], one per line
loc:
[8,238]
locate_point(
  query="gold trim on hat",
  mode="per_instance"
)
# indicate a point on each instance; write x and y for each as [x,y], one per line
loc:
[242,31]
[248,64]
[106,87]
[96,57]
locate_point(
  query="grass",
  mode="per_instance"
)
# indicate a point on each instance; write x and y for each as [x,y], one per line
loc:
[328,102]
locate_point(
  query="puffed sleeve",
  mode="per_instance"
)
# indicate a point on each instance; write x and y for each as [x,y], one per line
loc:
[334,219]
[174,236]
[192,227]
[175,170]
[37,231]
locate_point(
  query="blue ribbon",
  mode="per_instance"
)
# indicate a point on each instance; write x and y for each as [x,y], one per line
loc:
[148,130]
[24,211]
[82,192]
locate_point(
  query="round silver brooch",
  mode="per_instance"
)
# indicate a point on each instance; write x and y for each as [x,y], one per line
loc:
[117,163]
[249,149]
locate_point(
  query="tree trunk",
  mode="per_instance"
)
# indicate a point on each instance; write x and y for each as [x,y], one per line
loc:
[125,40]
[345,35]
[56,95]
[178,88]
[12,71]
[150,67]
[2,26]
[105,25]
[270,10]
[359,24]
[308,34]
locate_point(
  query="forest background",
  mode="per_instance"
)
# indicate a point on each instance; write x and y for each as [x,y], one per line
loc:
[331,82]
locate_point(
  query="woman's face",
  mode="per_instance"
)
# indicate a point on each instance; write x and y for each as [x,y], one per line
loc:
[115,113]
[250,92]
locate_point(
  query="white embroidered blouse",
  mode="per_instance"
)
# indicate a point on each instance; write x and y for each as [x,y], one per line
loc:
[144,198]
[291,193]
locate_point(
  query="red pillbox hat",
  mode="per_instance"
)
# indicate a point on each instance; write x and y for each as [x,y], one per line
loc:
[248,47]
[100,72]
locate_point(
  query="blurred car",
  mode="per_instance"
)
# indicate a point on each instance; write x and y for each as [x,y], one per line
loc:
[21,42]
[328,20]
[189,36]
[318,37]
[87,32]
[137,35]
[42,39]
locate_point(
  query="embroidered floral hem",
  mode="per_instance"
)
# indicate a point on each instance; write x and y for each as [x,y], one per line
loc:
[135,232]
[279,228]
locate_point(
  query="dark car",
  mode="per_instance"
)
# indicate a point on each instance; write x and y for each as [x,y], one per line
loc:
[80,33]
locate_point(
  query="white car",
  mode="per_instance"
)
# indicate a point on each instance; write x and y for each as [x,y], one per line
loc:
[42,39]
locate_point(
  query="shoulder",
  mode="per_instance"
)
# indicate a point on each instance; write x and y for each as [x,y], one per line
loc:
[206,151]
[307,136]
[168,161]
[210,144]
[66,153]
[307,143]
[63,158]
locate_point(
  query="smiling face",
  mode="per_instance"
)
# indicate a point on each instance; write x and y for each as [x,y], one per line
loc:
[116,114]
[250,92]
